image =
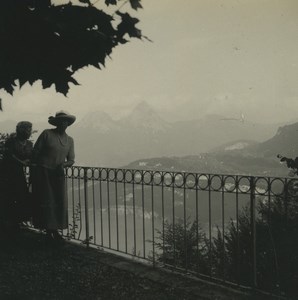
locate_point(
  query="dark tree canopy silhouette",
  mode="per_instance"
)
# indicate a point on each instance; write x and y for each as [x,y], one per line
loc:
[47,42]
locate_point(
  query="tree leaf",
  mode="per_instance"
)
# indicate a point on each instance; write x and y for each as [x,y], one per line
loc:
[112,2]
[127,25]
[85,2]
[135,4]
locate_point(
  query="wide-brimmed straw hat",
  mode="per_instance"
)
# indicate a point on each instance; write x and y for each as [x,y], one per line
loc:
[61,116]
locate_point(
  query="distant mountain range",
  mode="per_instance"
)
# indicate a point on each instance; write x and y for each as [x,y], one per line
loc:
[102,141]
[237,157]
[284,142]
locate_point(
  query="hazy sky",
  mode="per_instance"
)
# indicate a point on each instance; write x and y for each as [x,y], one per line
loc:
[208,56]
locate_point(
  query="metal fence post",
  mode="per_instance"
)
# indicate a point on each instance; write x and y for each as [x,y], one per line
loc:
[253,230]
[87,240]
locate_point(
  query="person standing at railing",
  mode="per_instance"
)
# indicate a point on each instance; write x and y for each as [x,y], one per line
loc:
[15,200]
[53,151]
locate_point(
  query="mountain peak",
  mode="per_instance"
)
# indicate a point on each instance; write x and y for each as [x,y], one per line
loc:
[144,116]
[97,120]
[143,107]
[284,142]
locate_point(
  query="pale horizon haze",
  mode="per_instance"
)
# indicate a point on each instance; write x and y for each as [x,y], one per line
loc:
[226,57]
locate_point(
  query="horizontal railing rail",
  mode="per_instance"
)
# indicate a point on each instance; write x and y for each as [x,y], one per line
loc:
[221,227]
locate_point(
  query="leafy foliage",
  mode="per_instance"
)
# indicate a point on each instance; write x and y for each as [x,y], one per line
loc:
[291,163]
[229,254]
[3,138]
[182,245]
[276,246]
[41,41]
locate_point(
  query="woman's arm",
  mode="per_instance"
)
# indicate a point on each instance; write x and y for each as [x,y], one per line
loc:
[25,162]
[38,146]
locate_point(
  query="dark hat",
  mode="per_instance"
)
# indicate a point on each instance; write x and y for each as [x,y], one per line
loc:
[61,116]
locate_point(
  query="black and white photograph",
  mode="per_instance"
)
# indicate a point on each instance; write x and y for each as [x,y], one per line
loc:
[148,149]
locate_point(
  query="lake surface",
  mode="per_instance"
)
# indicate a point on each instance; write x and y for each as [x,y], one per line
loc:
[127,217]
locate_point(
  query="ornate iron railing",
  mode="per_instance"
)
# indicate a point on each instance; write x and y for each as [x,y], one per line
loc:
[214,226]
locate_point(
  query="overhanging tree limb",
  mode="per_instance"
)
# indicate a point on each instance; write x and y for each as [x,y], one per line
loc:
[41,41]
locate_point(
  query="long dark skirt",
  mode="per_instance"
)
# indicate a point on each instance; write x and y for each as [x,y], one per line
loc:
[50,199]
[15,205]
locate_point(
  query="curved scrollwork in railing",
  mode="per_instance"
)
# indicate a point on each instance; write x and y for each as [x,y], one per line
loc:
[193,181]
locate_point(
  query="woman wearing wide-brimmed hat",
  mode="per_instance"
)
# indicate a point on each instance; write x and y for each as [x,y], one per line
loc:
[53,151]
